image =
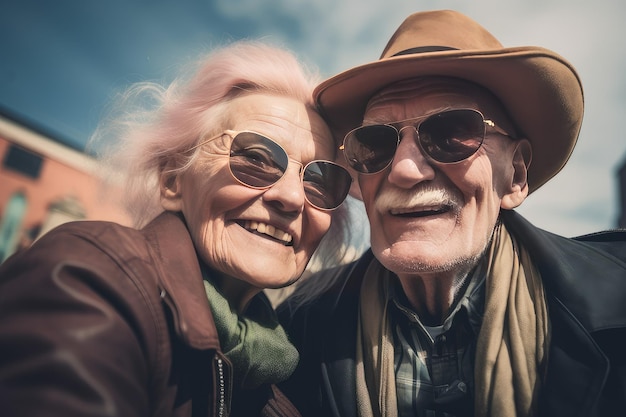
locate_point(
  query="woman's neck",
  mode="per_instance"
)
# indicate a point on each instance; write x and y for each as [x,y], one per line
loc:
[237,292]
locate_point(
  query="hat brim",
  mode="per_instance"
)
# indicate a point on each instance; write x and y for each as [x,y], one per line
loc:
[540,91]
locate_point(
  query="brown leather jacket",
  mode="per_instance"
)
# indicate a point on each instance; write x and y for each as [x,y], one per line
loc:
[101,320]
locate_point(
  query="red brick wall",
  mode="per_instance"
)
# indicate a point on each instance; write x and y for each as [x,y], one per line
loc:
[56,181]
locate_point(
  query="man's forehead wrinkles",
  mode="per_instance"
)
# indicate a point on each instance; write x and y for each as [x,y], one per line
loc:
[390,120]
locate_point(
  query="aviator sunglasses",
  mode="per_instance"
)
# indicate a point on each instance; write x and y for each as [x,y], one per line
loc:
[446,137]
[258,162]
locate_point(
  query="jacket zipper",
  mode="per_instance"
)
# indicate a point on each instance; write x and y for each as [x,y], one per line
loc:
[221,388]
[222,403]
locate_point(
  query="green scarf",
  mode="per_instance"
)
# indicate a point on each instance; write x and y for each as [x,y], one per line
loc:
[255,343]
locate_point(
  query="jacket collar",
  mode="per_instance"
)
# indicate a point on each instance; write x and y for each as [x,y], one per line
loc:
[180,281]
[579,305]
[570,269]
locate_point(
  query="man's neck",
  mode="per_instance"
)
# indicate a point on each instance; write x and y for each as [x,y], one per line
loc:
[432,296]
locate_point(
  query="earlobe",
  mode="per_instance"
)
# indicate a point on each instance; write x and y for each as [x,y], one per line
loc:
[171,192]
[518,191]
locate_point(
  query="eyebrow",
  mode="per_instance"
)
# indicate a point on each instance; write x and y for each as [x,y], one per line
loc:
[423,116]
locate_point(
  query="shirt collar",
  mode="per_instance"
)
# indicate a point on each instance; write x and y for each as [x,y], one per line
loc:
[472,301]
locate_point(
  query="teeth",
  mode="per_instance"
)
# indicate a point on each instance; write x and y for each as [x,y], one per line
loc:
[269,230]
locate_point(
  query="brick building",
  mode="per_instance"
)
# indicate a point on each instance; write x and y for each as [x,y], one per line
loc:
[44,184]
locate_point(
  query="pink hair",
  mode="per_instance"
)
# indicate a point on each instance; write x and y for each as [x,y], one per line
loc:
[151,123]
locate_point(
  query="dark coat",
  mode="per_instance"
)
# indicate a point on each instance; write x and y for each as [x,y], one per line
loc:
[585,283]
[97,319]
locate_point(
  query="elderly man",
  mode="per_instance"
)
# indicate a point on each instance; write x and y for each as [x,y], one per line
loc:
[461,307]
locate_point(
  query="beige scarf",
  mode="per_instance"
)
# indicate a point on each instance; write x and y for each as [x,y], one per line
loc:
[511,348]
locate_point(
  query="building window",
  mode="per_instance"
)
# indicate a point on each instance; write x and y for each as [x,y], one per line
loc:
[23,161]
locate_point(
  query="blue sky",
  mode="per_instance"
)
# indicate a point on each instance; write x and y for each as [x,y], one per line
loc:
[61,61]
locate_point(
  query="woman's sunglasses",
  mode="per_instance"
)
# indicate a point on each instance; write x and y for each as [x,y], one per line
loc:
[446,137]
[258,162]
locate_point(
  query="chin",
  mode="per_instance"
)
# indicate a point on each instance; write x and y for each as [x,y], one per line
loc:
[273,277]
[405,260]
[283,284]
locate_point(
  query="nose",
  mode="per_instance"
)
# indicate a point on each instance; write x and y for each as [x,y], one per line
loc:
[409,166]
[288,193]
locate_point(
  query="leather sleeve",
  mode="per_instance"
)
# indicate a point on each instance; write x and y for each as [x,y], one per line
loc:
[77,330]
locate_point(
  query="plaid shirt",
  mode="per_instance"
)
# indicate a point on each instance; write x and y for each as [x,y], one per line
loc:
[434,366]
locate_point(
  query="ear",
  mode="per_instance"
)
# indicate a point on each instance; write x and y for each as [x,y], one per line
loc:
[171,188]
[518,191]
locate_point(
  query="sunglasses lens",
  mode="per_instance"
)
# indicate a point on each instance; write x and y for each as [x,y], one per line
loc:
[257,161]
[447,137]
[326,184]
[369,149]
[452,136]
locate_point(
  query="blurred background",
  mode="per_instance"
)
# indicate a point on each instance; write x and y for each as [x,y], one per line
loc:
[62,61]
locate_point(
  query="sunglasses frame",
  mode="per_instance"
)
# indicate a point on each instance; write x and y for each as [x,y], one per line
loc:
[486,123]
[303,167]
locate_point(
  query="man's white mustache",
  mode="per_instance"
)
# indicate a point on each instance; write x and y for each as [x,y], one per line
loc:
[394,199]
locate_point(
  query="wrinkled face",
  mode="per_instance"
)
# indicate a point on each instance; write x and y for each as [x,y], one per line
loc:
[431,217]
[264,238]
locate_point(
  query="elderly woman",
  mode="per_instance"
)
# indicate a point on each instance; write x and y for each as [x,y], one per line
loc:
[232,190]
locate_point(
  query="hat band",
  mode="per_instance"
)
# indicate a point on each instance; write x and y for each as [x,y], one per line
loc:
[424,49]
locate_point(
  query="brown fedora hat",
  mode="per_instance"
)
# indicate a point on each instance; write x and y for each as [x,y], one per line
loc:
[540,90]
